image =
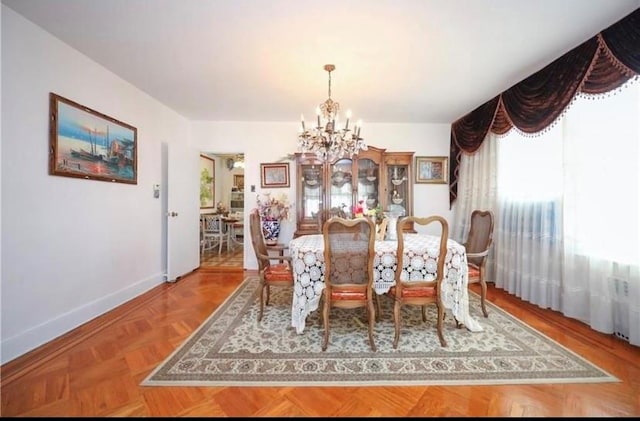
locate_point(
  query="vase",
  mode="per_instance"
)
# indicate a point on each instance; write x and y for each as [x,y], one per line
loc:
[271,231]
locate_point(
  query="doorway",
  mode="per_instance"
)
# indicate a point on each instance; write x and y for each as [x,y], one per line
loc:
[227,191]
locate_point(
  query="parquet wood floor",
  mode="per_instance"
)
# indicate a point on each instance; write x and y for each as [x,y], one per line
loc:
[95,370]
[226,260]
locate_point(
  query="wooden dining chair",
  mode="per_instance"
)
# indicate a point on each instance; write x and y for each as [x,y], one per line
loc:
[477,246]
[348,274]
[425,289]
[382,229]
[271,274]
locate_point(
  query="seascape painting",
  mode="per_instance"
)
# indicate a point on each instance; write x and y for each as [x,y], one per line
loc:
[87,144]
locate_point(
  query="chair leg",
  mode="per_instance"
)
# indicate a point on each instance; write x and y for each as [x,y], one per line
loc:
[377,299]
[483,293]
[371,315]
[262,287]
[325,320]
[443,343]
[268,294]
[321,307]
[396,322]
[424,313]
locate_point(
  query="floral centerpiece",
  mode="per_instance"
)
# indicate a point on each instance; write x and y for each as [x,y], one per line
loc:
[358,210]
[376,214]
[220,208]
[272,210]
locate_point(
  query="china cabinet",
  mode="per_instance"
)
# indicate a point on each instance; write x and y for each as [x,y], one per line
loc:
[398,187]
[351,185]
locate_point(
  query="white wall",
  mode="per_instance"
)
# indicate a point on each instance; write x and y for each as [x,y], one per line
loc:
[72,248]
[1,353]
[264,142]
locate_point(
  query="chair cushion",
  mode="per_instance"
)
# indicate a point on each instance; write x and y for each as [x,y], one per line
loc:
[346,294]
[278,273]
[414,292]
[474,272]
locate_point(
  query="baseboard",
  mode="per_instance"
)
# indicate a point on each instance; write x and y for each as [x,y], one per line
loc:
[28,350]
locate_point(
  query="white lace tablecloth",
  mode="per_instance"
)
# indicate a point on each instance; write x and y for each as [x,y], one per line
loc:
[420,260]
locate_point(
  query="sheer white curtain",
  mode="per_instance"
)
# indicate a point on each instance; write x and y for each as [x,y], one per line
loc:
[601,213]
[569,216]
[529,247]
[477,186]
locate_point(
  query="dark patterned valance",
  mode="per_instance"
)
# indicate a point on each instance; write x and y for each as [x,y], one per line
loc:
[599,65]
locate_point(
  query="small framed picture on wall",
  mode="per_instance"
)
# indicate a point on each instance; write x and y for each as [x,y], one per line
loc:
[238,181]
[432,169]
[274,175]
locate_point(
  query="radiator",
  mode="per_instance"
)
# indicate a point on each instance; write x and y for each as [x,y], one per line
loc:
[621,307]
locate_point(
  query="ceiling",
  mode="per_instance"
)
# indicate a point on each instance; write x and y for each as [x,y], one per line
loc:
[405,61]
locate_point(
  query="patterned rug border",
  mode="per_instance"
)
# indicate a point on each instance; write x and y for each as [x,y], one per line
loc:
[605,377]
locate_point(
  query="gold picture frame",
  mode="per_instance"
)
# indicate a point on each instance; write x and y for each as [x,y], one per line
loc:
[432,169]
[238,181]
[88,144]
[274,175]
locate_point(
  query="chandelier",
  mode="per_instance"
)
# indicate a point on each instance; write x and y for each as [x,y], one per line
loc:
[236,161]
[327,140]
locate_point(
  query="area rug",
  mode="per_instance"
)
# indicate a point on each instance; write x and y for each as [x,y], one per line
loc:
[232,349]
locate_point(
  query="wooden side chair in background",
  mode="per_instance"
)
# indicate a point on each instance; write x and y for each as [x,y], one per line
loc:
[478,245]
[348,275]
[419,292]
[271,275]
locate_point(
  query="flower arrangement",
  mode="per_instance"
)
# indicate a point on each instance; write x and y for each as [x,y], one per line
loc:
[272,208]
[376,214]
[358,210]
[220,208]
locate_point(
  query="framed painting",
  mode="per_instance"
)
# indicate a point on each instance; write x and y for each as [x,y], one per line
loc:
[85,143]
[274,175]
[207,182]
[238,181]
[431,169]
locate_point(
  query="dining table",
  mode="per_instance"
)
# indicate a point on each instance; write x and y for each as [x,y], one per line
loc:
[419,263]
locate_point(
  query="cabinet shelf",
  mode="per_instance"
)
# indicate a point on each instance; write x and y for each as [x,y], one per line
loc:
[236,202]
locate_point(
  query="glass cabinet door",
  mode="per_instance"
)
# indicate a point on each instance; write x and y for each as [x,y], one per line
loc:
[312,191]
[368,183]
[398,189]
[341,183]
